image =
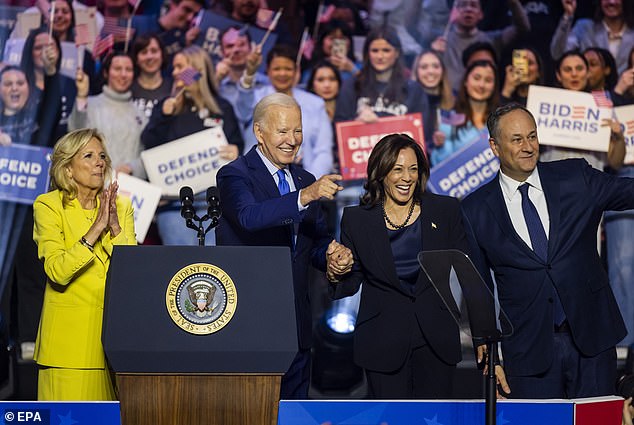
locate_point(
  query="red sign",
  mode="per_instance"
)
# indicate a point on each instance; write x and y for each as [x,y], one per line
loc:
[355,140]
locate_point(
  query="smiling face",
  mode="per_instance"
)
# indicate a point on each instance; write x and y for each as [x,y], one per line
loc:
[517,145]
[14,91]
[181,14]
[400,183]
[573,73]
[325,83]
[533,68]
[235,48]
[120,74]
[612,8]
[87,168]
[40,42]
[382,55]
[63,17]
[279,134]
[281,73]
[150,59]
[429,71]
[480,83]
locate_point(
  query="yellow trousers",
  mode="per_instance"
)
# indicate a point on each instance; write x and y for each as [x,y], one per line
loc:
[60,384]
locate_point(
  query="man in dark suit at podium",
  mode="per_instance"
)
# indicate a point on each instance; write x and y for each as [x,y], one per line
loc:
[535,226]
[269,201]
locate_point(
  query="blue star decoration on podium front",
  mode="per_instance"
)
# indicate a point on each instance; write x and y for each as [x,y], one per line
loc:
[66,420]
[433,421]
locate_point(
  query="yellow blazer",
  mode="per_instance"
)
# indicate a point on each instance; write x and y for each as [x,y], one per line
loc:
[70,326]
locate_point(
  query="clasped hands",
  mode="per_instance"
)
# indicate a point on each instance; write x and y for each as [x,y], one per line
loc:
[107,218]
[339,260]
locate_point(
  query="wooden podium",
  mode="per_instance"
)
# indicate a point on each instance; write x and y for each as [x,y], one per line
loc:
[166,375]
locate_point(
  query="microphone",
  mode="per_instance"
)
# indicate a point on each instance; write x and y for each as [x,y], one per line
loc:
[187,203]
[213,202]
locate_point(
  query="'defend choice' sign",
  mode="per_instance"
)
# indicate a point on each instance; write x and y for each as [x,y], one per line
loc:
[465,171]
[23,172]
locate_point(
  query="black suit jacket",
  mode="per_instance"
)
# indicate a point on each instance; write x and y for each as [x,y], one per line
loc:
[576,195]
[388,314]
[254,213]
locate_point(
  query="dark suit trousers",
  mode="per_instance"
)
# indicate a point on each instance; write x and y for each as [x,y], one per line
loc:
[423,376]
[296,380]
[571,375]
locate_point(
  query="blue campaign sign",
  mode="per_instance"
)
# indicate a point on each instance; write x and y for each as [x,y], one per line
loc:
[23,172]
[211,25]
[60,413]
[466,412]
[465,171]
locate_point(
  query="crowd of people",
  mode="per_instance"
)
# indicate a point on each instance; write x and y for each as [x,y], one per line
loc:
[458,65]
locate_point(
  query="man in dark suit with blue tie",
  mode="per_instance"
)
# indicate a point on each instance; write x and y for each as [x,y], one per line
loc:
[535,226]
[269,201]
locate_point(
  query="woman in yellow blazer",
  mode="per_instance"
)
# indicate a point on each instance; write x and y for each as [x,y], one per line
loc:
[76,228]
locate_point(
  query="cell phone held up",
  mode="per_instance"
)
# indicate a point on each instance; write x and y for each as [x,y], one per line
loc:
[520,64]
[339,47]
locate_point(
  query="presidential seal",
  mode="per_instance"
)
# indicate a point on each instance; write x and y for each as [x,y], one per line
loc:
[201,298]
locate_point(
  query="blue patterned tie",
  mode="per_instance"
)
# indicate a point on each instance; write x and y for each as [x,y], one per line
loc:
[282,184]
[540,244]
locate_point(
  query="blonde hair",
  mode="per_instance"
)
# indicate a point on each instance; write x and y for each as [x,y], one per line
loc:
[63,153]
[199,59]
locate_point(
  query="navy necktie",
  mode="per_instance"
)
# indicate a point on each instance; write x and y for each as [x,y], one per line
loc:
[282,184]
[540,244]
[534,224]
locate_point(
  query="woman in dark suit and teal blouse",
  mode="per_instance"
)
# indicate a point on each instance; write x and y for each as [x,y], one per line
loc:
[405,336]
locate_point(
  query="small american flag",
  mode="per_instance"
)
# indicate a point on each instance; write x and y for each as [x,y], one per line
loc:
[306,46]
[326,14]
[102,45]
[452,118]
[602,99]
[113,26]
[189,76]
[82,35]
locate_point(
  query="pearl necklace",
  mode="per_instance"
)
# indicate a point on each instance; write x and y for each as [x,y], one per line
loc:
[398,226]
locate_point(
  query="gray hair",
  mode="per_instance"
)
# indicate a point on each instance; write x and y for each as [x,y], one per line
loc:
[493,121]
[277,99]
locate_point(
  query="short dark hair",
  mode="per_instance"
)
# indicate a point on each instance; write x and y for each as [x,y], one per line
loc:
[382,159]
[281,51]
[141,42]
[322,64]
[493,121]
[476,47]
[239,28]
[105,68]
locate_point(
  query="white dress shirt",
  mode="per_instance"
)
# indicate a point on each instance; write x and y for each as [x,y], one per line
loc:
[513,200]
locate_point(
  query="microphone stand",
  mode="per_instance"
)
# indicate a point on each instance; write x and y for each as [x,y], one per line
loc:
[200,228]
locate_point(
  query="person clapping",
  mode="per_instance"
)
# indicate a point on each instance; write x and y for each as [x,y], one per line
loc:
[77,225]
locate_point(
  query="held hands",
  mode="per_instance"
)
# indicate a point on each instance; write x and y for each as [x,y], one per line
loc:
[439,138]
[628,412]
[113,219]
[222,69]
[325,187]
[511,81]
[499,373]
[191,35]
[171,104]
[339,261]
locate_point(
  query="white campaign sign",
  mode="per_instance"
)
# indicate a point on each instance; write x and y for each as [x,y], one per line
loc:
[569,118]
[145,198]
[191,161]
[625,115]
